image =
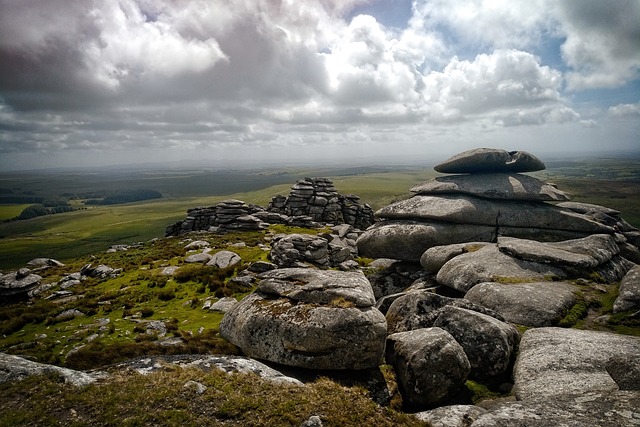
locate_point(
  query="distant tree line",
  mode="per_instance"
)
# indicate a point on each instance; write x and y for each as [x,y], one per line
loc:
[125,196]
[40,209]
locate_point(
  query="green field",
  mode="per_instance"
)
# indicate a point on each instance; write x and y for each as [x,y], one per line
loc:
[11,211]
[96,228]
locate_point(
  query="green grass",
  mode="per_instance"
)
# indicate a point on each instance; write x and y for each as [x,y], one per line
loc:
[11,211]
[160,399]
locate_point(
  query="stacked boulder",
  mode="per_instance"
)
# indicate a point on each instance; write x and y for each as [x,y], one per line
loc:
[318,199]
[486,198]
[311,203]
[324,250]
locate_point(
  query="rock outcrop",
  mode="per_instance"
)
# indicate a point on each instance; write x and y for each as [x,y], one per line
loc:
[491,200]
[629,295]
[311,203]
[18,283]
[318,199]
[319,319]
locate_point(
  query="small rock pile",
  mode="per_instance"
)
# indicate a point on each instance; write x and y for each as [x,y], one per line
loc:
[325,250]
[318,199]
[18,283]
[228,215]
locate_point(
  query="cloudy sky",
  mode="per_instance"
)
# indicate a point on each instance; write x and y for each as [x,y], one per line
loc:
[90,82]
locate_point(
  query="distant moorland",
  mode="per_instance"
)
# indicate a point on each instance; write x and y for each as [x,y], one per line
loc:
[614,183]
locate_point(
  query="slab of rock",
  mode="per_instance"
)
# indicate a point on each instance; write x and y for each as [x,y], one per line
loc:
[556,362]
[197,244]
[434,258]
[629,295]
[586,253]
[451,416]
[504,186]
[490,160]
[529,304]
[14,368]
[420,309]
[489,264]
[490,345]
[608,409]
[223,304]
[224,259]
[200,258]
[408,240]
[430,365]
[318,286]
[45,262]
[464,209]
[291,320]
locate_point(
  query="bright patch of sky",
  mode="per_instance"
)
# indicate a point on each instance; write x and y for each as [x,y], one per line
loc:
[124,81]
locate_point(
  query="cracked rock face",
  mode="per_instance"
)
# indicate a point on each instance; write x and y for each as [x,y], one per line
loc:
[481,160]
[309,318]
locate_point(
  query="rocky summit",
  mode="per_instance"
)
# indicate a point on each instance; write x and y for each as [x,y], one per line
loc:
[312,202]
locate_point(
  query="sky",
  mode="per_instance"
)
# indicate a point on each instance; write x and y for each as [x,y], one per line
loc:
[232,82]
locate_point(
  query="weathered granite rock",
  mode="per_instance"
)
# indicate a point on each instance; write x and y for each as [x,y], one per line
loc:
[489,264]
[529,304]
[505,186]
[629,295]
[200,258]
[434,258]
[490,160]
[223,304]
[586,253]
[327,250]
[101,271]
[396,277]
[408,239]
[309,318]
[451,416]
[197,244]
[318,199]
[318,286]
[625,372]
[14,368]
[464,209]
[430,365]
[44,262]
[603,409]
[490,345]
[261,266]
[420,309]
[18,282]
[557,362]
[224,259]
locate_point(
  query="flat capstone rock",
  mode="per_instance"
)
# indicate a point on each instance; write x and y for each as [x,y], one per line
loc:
[481,160]
[500,186]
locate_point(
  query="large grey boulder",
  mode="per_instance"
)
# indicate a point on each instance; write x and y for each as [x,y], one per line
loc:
[430,365]
[311,319]
[529,304]
[557,362]
[14,368]
[465,209]
[489,264]
[224,259]
[603,409]
[490,345]
[490,160]
[420,309]
[629,295]
[505,186]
